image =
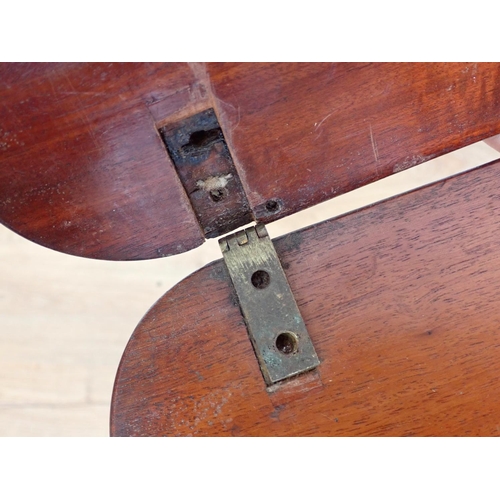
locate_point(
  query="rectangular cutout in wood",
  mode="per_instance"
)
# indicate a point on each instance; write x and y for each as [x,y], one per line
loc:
[205,167]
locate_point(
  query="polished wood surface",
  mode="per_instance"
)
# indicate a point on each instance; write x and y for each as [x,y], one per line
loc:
[65,321]
[400,300]
[305,133]
[83,169]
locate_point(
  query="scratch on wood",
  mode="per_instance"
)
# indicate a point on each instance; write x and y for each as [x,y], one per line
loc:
[317,125]
[81,93]
[52,83]
[83,114]
[374,144]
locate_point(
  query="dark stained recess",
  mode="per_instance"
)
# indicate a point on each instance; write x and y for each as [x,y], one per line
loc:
[203,162]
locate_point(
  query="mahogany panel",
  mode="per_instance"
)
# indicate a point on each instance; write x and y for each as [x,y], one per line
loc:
[305,133]
[82,167]
[401,302]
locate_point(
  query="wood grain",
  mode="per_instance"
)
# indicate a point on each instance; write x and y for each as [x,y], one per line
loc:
[320,130]
[65,321]
[400,300]
[83,169]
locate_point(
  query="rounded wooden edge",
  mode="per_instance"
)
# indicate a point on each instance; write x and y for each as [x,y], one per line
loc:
[200,314]
[400,301]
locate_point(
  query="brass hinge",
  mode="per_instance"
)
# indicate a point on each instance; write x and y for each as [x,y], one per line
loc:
[275,325]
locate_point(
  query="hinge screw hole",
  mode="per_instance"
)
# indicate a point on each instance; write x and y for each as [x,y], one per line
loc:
[273,206]
[260,279]
[217,194]
[287,343]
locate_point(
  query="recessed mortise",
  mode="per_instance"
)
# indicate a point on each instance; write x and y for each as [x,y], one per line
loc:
[287,343]
[203,162]
[261,279]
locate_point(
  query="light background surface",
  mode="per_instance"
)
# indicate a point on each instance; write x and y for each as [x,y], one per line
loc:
[65,321]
